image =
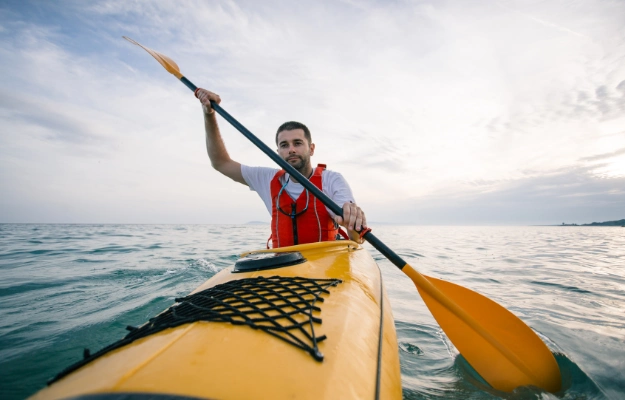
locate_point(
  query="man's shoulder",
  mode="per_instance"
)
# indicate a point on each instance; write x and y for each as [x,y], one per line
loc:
[333,179]
[328,173]
[259,170]
[255,176]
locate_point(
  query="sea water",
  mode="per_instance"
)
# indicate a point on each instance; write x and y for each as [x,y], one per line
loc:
[64,288]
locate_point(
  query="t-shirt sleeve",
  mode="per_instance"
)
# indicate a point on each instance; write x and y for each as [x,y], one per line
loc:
[337,188]
[259,180]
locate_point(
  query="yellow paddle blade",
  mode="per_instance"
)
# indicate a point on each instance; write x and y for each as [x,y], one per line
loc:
[165,61]
[499,346]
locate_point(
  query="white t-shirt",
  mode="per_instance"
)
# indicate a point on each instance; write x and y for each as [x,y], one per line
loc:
[332,184]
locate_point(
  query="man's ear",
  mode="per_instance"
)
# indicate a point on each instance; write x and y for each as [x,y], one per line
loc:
[312,149]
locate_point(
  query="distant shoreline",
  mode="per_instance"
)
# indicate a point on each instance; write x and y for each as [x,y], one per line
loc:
[606,223]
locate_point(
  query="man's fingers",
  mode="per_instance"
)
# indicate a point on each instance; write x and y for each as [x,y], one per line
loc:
[361,221]
[347,217]
[356,217]
[353,217]
[205,96]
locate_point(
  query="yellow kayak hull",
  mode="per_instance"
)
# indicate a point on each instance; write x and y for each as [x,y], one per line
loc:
[220,360]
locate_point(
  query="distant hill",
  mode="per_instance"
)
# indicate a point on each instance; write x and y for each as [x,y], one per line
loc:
[606,223]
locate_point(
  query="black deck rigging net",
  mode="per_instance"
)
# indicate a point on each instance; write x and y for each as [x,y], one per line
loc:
[280,306]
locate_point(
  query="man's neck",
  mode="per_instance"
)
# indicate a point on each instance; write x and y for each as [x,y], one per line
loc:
[307,172]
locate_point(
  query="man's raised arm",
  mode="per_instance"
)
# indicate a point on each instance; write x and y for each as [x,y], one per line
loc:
[220,159]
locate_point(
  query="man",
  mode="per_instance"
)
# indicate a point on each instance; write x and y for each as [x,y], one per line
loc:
[296,216]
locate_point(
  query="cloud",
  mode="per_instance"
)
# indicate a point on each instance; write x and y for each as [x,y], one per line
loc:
[571,194]
[546,23]
[604,156]
[56,124]
[386,155]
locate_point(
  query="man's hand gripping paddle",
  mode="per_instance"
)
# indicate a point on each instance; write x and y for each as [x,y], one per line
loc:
[498,345]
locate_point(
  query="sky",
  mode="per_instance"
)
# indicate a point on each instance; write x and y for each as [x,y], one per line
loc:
[450,112]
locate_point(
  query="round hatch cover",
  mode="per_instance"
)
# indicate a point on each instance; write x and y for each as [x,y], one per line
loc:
[261,261]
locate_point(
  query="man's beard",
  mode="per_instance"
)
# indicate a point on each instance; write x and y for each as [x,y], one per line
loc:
[301,163]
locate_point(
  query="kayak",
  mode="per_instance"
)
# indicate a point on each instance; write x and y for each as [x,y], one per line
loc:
[309,321]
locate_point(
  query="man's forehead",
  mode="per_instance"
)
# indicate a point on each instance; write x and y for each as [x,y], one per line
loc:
[291,135]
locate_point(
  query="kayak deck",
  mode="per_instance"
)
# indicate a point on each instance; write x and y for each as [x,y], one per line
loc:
[349,323]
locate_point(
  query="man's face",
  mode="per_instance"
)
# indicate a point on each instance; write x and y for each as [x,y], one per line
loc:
[295,149]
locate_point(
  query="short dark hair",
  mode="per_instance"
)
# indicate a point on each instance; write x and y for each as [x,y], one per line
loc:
[291,125]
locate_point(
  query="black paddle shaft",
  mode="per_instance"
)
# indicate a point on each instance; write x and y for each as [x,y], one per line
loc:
[328,202]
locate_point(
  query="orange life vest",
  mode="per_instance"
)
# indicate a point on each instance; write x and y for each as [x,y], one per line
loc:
[305,220]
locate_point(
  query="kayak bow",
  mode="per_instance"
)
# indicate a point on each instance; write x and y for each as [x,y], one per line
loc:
[310,321]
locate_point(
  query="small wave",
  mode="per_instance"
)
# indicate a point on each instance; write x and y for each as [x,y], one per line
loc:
[410,348]
[86,260]
[575,382]
[565,287]
[50,252]
[113,249]
[204,264]
[408,253]
[30,286]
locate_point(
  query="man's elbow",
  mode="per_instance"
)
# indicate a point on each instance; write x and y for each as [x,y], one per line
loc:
[218,165]
[225,167]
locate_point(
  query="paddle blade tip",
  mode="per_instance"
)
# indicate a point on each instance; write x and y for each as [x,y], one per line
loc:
[165,61]
[131,40]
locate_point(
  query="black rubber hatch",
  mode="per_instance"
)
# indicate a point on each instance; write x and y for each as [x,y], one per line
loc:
[263,261]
